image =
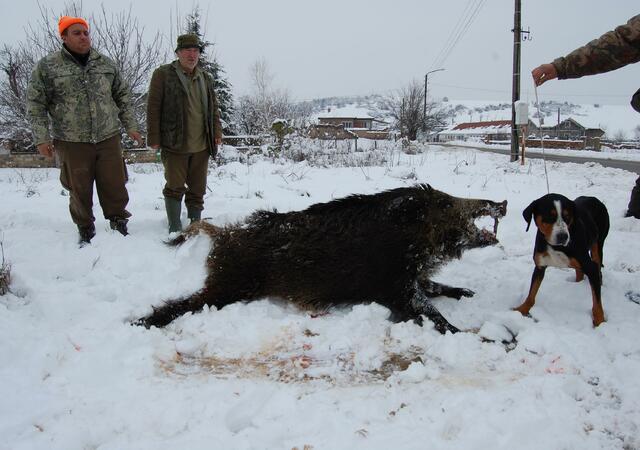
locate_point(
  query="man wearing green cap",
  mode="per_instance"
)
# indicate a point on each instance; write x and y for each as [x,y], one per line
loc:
[183,120]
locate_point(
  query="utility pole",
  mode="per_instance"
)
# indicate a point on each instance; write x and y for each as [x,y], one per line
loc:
[517,39]
[424,109]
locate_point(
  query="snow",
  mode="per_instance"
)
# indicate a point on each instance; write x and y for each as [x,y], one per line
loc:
[264,375]
[348,112]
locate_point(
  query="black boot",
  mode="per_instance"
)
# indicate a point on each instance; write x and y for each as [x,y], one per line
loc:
[194,214]
[120,225]
[86,234]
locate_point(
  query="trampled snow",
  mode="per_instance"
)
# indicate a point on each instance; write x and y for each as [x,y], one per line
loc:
[265,375]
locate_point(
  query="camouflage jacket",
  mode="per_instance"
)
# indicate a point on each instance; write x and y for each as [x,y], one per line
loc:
[166,110]
[610,51]
[84,103]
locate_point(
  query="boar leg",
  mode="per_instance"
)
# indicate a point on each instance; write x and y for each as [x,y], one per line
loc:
[418,307]
[433,289]
[171,310]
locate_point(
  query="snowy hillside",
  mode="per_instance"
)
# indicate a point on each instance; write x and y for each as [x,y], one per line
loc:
[264,375]
[618,121]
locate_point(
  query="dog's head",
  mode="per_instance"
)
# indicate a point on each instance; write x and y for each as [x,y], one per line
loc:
[553,215]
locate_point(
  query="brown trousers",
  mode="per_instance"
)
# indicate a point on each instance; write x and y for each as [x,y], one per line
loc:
[82,164]
[186,175]
[634,202]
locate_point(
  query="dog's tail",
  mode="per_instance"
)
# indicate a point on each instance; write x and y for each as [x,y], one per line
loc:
[171,310]
[193,230]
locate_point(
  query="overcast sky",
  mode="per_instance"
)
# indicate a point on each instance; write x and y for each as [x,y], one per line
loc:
[357,47]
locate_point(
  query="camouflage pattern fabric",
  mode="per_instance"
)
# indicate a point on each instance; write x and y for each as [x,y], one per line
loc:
[84,104]
[610,51]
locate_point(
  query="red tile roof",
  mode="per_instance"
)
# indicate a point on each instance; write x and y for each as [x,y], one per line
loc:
[491,123]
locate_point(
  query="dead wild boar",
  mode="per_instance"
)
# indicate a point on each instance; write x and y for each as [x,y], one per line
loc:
[363,248]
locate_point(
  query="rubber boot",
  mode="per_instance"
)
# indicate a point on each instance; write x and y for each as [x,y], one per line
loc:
[194,214]
[173,207]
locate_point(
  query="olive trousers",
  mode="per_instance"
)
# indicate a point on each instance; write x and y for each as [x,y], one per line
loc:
[186,175]
[81,165]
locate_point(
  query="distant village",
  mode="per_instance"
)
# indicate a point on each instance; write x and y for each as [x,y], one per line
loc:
[372,120]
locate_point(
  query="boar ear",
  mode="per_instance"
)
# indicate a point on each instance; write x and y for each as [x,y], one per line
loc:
[528,213]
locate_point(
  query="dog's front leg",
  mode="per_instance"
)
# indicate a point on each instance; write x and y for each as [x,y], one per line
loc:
[536,281]
[592,270]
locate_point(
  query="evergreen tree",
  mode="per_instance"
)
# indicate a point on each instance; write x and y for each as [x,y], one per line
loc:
[221,85]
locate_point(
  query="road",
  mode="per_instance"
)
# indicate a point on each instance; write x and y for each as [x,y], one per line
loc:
[631,166]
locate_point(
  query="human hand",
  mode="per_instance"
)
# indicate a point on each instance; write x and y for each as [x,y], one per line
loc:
[136,137]
[155,146]
[46,149]
[218,141]
[543,73]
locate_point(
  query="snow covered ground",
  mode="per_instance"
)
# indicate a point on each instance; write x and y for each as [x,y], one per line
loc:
[76,375]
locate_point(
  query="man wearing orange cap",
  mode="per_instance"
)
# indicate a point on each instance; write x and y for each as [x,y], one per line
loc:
[77,104]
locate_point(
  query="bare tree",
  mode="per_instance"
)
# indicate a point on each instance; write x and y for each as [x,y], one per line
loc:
[261,76]
[16,65]
[14,124]
[620,136]
[407,109]
[120,36]
[257,112]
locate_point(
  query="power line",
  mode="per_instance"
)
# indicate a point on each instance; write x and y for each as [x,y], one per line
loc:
[462,26]
[547,94]
[470,20]
[454,31]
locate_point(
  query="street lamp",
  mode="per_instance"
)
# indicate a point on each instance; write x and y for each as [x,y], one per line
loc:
[424,110]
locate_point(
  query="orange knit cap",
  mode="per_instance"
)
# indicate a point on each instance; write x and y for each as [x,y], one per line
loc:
[66,21]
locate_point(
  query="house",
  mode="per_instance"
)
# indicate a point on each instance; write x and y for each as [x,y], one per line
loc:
[355,120]
[566,134]
[570,129]
[493,130]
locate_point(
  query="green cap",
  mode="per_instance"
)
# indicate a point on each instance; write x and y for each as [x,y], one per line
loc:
[189,41]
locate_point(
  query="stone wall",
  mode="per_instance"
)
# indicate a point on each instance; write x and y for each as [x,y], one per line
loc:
[35,160]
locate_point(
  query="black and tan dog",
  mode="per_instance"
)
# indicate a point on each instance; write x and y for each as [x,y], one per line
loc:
[364,248]
[570,234]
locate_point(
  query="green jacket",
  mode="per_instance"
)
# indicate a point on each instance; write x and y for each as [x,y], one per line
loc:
[610,51]
[166,110]
[82,103]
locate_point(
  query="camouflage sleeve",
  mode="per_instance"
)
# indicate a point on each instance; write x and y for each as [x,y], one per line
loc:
[37,107]
[610,51]
[122,97]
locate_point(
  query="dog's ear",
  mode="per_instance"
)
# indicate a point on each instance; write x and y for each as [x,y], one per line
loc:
[528,213]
